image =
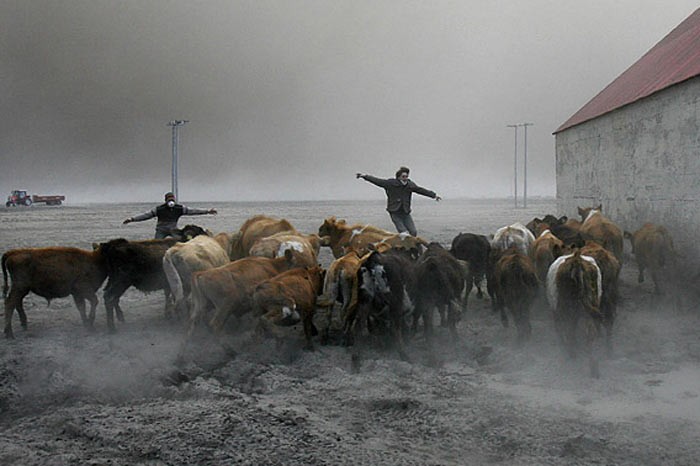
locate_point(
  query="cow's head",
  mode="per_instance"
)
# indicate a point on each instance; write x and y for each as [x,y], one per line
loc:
[328,227]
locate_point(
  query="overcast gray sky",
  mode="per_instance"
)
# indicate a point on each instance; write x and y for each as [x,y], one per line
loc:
[288,99]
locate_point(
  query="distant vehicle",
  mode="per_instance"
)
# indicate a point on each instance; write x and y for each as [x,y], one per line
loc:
[20,197]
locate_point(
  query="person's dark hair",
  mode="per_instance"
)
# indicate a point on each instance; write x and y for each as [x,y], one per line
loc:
[169,195]
[402,170]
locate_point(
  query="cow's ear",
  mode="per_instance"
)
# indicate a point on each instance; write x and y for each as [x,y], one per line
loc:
[599,208]
[627,234]
[580,211]
[288,255]
[95,246]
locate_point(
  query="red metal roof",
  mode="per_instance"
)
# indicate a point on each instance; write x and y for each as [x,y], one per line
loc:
[676,58]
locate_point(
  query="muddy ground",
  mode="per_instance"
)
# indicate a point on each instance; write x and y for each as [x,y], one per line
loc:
[70,396]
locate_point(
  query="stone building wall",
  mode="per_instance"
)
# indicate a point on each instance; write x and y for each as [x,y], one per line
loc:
[642,162]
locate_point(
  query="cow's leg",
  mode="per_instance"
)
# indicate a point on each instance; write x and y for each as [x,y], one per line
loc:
[453,316]
[592,332]
[307,316]
[640,277]
[353,333]
[655,278]
[79,301]
[22,315]
[522,323]
[477,283]
[12,301]
[397,333]
[169,304]
[113,291]
[92,298]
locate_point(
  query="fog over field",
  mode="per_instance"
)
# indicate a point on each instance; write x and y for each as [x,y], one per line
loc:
[287,100]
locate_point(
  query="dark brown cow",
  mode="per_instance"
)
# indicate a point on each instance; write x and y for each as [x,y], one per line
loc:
[569,233]
[602,230]
[287,298]
[255,228]
[574,288]
[538,225]
[442,281]
[53,272]
[384,281]
[610,273]
[474,249]
[652,247]
[517,287]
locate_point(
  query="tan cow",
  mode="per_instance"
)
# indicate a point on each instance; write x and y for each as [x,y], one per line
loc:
[275,245]
[287,298]
[544,251]
[341,285]
[183,259]
[652,247]
[602,230]
[342,238]
[52,272]
[259,226]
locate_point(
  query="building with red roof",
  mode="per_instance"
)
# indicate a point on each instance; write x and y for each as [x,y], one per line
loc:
[635,147]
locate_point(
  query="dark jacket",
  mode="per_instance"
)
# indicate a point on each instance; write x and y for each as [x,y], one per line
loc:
[398,195]
[168,216]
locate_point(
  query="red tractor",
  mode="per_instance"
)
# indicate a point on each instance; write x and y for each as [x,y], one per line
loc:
[20,197]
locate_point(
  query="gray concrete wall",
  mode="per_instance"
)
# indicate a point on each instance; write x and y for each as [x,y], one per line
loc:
[642,162]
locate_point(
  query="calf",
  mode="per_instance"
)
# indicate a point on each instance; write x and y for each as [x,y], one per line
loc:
[652,247]
[517,286]
[574,288]
[52,272]
[440,281]
[610,272]
[287,298]
[474,249]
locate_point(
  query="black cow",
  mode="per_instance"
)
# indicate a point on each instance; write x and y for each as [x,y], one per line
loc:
[138,264]
[441,281]
[384,280]
[475,250]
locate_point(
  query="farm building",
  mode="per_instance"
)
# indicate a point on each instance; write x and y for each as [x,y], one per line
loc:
[635,147]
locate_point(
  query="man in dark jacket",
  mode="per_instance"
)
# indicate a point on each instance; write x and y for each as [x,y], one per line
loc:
[398,193]
[168,214]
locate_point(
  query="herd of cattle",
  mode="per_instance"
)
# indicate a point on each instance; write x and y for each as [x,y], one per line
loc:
[380,283]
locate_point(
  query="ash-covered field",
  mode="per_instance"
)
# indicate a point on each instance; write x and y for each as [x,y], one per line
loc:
[69,396]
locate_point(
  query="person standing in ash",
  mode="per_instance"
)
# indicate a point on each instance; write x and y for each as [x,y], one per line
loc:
[168,214]
[398,194]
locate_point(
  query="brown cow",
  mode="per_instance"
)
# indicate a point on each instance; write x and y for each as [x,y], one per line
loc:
[569,233]
[52,272]
[341,237]
[259,226]
[275,245]
[544,251]
[574,288]
[341,285]
[288,298]
[517,286]
[610,273]
[602,230]
[228,289]
[652,247]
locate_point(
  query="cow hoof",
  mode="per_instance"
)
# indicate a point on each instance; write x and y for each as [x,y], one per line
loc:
[111,330]
[309,347]
[9,335]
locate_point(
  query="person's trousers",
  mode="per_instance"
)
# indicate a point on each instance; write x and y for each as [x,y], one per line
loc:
[403,223]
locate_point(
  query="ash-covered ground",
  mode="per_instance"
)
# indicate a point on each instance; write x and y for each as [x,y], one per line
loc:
[69,396]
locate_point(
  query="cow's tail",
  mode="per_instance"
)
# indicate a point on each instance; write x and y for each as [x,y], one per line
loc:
[330,292]
[4,275]
[173,276]
[199,302]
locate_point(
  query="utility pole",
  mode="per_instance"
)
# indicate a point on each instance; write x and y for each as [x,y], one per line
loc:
[175,126]
[525,125]
[515,165]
